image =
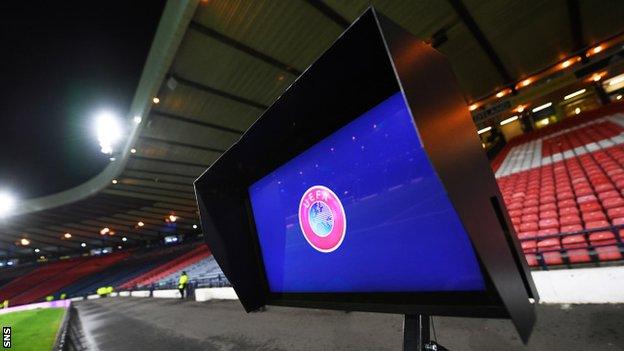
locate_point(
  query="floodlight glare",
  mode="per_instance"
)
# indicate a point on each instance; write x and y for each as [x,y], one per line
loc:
[108,131]
[7,204]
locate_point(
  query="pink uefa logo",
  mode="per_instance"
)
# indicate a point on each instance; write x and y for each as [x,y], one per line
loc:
[322,218]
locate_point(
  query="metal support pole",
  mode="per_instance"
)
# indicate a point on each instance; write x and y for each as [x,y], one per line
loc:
[415,332]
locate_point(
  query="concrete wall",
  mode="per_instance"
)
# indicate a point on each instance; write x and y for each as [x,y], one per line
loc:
[581,285]
[140,293]
[206,294]
[170,293]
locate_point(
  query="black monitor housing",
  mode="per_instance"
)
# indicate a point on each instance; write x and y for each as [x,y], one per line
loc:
[371,60]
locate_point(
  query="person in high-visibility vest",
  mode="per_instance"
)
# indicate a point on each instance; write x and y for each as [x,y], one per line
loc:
[182,283]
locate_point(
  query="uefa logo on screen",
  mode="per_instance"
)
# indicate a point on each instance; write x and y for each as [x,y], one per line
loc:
[322,219]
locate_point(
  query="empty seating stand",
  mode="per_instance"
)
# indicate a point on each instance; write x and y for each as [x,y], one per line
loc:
[124,270]
[176,265]
[42,274]
[67,276]
[205,269]
[563,190]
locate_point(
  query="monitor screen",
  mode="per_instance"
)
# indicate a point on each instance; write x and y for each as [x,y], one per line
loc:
[363,211]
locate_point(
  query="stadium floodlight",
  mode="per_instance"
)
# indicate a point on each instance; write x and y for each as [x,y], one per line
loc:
[108,131]
[7,204]
[83,244]
[541,107]
[574,94]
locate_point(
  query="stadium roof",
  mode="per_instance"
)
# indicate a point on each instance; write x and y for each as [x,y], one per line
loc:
[216,65]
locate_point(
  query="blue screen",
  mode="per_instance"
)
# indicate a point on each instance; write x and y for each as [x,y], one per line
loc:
[363,211]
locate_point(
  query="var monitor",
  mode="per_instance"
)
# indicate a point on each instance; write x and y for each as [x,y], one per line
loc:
[363,211]
[364,187]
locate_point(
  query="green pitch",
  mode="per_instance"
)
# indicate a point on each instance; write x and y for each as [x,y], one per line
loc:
[34,329]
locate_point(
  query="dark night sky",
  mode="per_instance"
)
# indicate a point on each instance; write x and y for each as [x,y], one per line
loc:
[60,61]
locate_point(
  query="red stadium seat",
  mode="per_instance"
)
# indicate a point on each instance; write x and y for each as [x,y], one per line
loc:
[613,202]
[546,232]
[530,210]
[552,256]
[596,225]
[580,253]
[527,227]
[603,245]
[527,235]
[615,212]
[548,223]
[549,214]
[573,228]
[608,194]
[569,220]
[529,248]
[568,211]
[586,198]
[590,207]
[603,187]
[594,216]
[548,207]
[530,218]
[566,203]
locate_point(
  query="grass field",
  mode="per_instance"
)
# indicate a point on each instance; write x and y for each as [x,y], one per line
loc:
[34,329]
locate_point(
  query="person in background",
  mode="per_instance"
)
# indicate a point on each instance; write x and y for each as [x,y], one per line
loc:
[182,283]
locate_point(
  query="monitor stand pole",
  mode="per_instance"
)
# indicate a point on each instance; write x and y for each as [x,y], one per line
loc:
[416,332]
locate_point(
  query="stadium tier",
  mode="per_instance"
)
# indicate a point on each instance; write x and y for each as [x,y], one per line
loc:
[563,189]
[38,277]
[133,266]
[82,268]
[205,269]
[173,267]
[122,270]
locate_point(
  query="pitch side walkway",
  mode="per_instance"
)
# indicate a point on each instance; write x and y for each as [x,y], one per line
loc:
[126,323]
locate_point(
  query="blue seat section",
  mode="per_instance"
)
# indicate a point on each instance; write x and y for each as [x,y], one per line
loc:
[202,270]
[119,273]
